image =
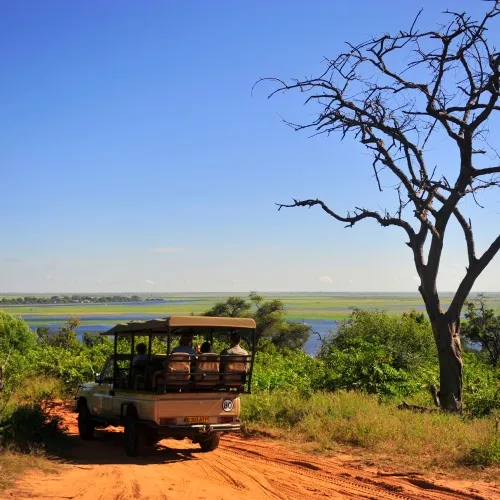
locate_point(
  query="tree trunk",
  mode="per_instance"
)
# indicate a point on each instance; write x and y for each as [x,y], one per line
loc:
[447,335]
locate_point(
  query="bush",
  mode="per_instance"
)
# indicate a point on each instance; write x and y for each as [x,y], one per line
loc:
[484,455]
[15,335]
[380,354]
[481,386]
[287,368]
[24,419]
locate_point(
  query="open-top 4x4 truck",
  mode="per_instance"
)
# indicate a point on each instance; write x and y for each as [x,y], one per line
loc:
[177,395]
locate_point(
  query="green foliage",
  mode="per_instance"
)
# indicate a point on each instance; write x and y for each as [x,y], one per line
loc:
[288,368]
[485,455]
[481,386]
[483,328]
[23,415]
[93,339]
[269,316]
[233,307]
[65,337]
[328,420]
[15,335]
[380,354]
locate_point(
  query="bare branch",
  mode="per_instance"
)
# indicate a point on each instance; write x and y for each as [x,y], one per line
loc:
[360,214]
[472,273]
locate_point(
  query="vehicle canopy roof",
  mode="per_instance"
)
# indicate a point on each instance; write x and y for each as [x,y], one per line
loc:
[180,324]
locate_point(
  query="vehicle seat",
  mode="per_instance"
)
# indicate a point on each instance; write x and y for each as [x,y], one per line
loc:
[139,375]
[235,370]
[177,370]
[206,370]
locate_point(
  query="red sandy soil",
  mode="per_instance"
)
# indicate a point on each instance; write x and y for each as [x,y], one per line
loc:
[241,468]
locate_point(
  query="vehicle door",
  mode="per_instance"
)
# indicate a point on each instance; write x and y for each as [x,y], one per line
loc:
[102,399]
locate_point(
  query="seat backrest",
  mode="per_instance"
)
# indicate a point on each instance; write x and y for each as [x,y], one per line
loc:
[177,368]
[206,365]
[235,368]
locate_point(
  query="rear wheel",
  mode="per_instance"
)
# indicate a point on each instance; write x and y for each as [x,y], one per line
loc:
[86,425]
[210,443]
[131,435]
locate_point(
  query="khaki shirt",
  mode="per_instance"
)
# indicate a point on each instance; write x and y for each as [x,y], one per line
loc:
[234,350]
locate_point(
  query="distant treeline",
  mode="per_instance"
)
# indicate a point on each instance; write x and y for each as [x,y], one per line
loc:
[72,299]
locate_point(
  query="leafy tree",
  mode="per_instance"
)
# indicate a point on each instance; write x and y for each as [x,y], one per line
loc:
[64,337]
[15,334]
[483,327]
[233,307]
[269,316]
[92,339]
[399,96]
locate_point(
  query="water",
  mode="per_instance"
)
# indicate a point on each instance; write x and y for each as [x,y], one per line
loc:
[53,323]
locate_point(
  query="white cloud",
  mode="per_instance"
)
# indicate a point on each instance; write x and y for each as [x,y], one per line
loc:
[47,277]
[150,282]
[188,282]
[325,279]
[167,250]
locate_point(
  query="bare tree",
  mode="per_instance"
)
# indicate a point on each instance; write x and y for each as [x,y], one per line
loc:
[375,92]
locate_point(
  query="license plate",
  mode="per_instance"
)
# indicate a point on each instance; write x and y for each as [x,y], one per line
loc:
[196,420]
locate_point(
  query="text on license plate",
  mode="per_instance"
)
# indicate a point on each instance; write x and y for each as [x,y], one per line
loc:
[196,420]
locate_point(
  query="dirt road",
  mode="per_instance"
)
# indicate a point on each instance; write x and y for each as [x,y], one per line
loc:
[240,469]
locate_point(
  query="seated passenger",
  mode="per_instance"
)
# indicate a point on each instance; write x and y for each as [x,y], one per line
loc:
[235,348]
[185,345]
[141,358]
[206,348]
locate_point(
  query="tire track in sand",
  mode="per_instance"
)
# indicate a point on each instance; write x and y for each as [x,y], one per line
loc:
[241,469]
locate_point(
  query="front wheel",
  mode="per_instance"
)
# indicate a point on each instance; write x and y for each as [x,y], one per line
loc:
[131,435]
[86,425]
[210,443]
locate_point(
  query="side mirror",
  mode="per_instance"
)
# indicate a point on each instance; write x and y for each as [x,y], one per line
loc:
[97,378]
[1,378]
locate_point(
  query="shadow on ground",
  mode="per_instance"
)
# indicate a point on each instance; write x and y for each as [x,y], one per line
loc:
[107,446]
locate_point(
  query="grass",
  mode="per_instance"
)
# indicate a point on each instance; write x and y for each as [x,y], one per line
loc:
[321,306]
[327,421]
[14,464]
[26,428]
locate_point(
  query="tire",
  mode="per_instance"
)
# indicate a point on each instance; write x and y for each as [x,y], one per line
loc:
[210,443]
[131,435]
[86,425]
[150,436]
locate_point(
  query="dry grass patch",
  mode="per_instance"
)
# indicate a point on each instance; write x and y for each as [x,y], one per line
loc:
[327,420]
[13,465]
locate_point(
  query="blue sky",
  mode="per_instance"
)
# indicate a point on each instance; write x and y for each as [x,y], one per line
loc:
[134,157]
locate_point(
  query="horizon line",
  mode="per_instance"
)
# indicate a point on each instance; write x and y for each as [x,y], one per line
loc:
[232,292]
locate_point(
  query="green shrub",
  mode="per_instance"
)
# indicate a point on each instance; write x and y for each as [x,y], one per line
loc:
[24,419]
[381,354]
[481,386]
[15,335]
[275,369]
[484,455]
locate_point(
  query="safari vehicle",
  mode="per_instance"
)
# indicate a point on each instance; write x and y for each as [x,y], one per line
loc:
[176,394]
